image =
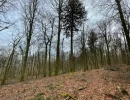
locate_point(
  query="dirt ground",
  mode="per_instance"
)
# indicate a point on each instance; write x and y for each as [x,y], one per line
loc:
[97,84]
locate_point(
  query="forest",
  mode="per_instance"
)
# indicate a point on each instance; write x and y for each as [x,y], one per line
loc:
[47,38]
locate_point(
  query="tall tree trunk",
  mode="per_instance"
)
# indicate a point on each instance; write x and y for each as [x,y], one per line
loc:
[124,25]
[29,23]
[45,61]
[25,61]
[72,68]
[58,40]
[50,42]
[62,63]
[84,55]
[50,59]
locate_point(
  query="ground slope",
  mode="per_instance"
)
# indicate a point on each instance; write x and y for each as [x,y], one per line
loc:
[97,84]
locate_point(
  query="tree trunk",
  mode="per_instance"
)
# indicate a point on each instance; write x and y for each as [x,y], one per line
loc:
[123,23]
[58,41]
[45,62]
[72,68]
[9,62]
[25,62]
[50,71]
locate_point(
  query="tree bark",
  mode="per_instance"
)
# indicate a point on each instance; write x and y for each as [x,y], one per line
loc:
[58,39]
[123,23]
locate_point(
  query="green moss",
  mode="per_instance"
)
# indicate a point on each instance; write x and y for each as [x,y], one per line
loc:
[68,96]
[39,96]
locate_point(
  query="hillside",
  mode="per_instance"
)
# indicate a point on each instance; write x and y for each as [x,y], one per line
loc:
[98,84]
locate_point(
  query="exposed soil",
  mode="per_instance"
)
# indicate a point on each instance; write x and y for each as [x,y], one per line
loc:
[97,84]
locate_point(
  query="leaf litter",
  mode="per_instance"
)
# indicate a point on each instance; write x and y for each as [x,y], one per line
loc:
[96,84]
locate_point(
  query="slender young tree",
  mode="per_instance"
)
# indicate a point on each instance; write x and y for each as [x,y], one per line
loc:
[10,60]
[74,14]
[103,26]
[52,22]
[46,41]
[29,19]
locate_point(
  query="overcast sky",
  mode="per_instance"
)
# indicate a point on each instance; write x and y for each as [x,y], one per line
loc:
[94,15]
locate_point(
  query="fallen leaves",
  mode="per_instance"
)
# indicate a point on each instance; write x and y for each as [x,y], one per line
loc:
[96,84]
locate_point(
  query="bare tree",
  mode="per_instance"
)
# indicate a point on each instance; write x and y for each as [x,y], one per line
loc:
[9,61]
[59,4]
[52,22]
[123,22]
[103,26]
[30,11]
[119,11]
[92,40]
[5,6]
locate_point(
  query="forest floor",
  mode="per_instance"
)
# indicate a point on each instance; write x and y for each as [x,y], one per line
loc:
[97,84]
